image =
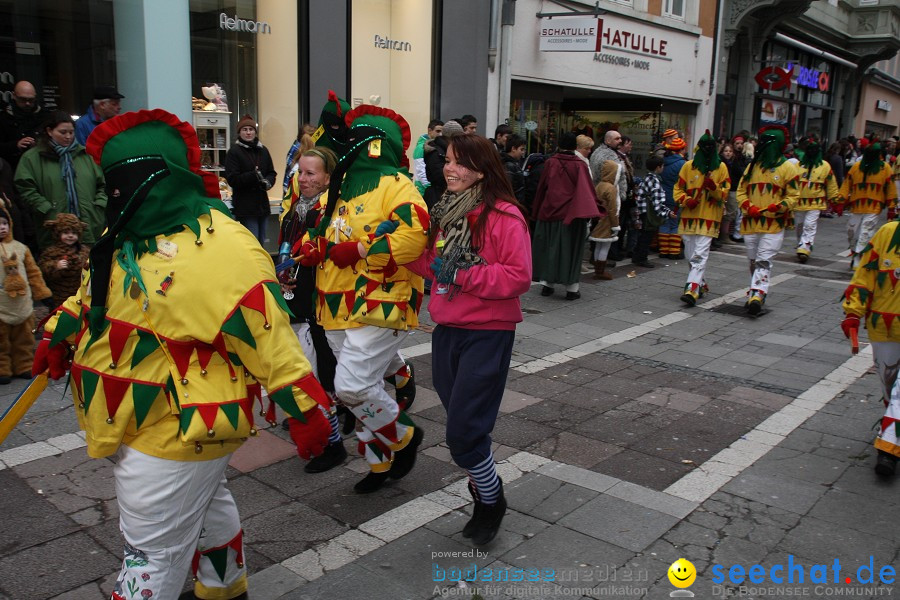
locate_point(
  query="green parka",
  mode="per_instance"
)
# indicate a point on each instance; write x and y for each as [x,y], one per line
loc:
[39,181]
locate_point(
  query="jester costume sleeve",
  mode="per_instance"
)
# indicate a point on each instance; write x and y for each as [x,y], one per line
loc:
[180,322]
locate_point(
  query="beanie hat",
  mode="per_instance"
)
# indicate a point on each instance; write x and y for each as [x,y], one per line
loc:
[736,138]
[676,145]
[863,143]
[65,222]
[670,133]
[452,128]
[247,121]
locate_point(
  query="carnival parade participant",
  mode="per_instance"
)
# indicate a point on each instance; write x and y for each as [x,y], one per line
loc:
[870,299]
[768,191]
[867,189]
[367,300]
[478,252]
[175,329]
[701,191]
[818,190]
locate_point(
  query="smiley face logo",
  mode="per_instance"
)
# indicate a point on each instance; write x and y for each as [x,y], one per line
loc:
[682,573]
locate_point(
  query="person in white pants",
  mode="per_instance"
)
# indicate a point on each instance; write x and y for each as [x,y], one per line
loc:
[766,194]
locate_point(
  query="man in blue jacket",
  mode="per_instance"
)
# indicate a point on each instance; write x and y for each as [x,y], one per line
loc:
[107,104]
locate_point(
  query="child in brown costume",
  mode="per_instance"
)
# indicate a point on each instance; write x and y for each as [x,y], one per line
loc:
[62,262]
[16,304]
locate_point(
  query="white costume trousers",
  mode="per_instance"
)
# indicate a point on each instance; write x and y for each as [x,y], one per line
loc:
[762,248]
[806,223]
[167,510]
[696,250]
[364,355]
[860,230]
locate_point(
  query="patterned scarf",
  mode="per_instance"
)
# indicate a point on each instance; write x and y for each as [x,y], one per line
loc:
[68,174]
[450,213]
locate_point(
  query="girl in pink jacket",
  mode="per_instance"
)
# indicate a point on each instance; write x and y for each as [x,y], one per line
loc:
[479,254]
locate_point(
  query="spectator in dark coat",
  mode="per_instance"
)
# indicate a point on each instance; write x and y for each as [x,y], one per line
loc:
[250,173]
[511,158]
[20,123]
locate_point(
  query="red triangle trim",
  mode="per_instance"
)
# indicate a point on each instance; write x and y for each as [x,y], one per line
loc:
[256,300]
[208,413]
[181,353]
[118,335]
[114,389]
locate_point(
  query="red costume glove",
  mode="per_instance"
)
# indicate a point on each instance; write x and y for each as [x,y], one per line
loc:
[838,209]
[55,359]
[692,203]
[345,254]
[709,184]
[850,323]
[310,255]
[773,208]
[753,211]
[891,213]
[310,437]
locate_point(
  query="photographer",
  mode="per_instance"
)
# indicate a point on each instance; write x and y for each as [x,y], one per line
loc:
[250,173]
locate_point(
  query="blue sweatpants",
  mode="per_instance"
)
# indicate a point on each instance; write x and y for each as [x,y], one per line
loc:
[469,369]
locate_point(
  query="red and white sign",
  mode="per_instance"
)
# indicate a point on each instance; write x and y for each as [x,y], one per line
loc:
[587,34]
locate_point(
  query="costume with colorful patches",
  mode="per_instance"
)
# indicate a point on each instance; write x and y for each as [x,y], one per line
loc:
[867,189]
[164,373]
[374,222]
[702,187]
[818,189]
[871,299]
[766,195]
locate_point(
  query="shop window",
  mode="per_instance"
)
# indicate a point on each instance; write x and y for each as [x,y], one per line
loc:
[674,9]
[64,47]
[225,57]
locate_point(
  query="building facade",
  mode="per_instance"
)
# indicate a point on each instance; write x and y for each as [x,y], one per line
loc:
[800,63]
[878,109]
[638,66]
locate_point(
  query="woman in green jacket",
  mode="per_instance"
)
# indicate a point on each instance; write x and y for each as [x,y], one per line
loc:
[58,176]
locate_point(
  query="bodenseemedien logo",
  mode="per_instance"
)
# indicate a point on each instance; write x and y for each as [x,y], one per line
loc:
[682,574]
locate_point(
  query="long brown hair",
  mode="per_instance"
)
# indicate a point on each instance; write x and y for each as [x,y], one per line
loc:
[479,154]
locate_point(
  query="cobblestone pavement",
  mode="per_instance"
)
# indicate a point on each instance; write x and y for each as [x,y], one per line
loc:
[634,431]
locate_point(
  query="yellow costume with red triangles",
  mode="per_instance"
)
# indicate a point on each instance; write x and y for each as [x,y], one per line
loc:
[868,194]
[816,188]
[761,189]
[706,217]
[223,341]
[870,294]
[174,330]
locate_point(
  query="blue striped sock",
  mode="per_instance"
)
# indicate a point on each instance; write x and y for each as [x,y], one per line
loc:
[484,478]
[335,435]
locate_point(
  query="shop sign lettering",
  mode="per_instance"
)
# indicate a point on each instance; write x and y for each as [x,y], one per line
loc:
[619,38]
[621,61]
[570,35]
[234,23]
[389,44]
[812,78]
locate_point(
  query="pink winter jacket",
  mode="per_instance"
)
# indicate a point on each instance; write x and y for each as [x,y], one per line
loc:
[489,298]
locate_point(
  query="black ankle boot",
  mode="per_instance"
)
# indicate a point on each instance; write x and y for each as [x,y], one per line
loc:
[472,525]
[371,483]
[333,455]
[886,464]
[405,459]
[349,420]
[487,524]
